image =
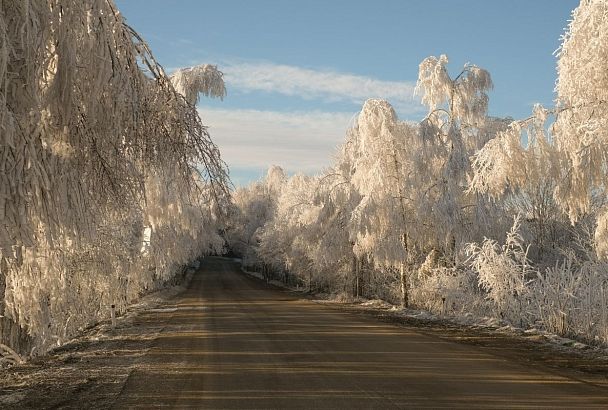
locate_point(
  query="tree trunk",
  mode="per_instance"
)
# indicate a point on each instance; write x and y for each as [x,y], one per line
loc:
[357,273]
[400,193]
[405,302]
[309,281]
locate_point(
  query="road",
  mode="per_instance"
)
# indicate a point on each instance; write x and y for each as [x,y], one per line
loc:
[233,342]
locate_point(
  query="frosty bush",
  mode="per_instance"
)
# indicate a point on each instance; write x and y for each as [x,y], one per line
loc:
[571,298]
[448,291]
[503,272]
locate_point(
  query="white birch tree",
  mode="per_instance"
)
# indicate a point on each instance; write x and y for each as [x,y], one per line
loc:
[452,131]
[378,159]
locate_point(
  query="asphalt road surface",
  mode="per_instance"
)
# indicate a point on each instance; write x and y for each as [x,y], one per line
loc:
[233,342]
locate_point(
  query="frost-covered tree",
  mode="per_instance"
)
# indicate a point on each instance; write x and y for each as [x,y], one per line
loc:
[522,175]
[454,128]
[378,160]
[336,198]
[560,169]
[503,271]
[96,145]
[286,240]
[254,206]
[567,158]
[203,79]
[581,127]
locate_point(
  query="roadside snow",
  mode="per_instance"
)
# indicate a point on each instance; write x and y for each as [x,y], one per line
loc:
[99,353]
[485,323]
[376,303]
[468,320]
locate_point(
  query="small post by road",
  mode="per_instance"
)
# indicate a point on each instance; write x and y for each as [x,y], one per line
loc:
[604,314]
[113,315]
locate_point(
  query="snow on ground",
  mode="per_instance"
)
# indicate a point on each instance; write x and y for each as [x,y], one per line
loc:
[147,303]
[467,320]
[484,323]
[98,361]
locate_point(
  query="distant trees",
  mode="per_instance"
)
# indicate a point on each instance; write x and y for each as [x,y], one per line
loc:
[253,206]
[109,182]
[396,192]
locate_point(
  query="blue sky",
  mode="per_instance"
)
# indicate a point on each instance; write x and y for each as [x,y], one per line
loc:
[297,71]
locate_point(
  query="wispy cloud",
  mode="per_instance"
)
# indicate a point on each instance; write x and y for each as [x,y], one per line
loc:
[329,86]
[297,141]
[251,140]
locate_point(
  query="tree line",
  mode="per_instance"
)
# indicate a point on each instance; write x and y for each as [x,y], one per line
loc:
[110,182]
[461,212]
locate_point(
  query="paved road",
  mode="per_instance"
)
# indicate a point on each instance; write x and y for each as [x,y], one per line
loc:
[232,342]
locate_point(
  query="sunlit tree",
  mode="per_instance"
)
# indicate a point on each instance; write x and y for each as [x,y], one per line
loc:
[97,144]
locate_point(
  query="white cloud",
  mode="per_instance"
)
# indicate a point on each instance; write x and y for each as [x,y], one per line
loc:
[251,140]
[297,141]
[330,86]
